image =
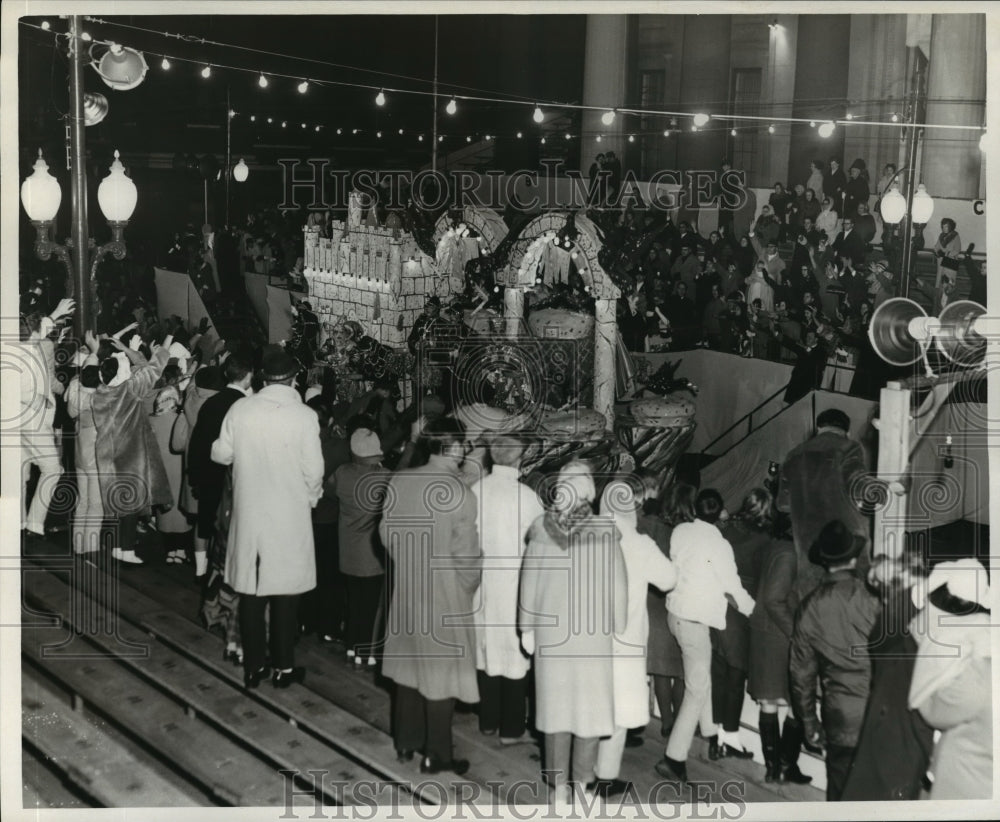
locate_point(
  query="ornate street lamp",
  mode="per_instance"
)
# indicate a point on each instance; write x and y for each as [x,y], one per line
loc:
[41,197]
[121,68]
[918,205]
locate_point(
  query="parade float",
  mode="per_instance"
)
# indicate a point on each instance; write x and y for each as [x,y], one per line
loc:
[538,351]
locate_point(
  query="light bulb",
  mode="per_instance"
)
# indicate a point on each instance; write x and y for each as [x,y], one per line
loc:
[270,119]
[826,130]
[420,138]
[378,134]
[597,139]
[488,137]
[894,117]
[284,124]
[543,141]
[340,131]
[354,131]
[86,37]
[569,136]
[262,81]
[303,87]
[770,129]
[631,138]
[666,132]
[440,138]
[380,99]
[850,116]
[733,132]
[303,125]
[694,128]
[318,128]
[608,118]
[253,118]
[812,124]
[538,115]
[165,64]
[46,25]
[519,135]
[401,131]
[468,139]
[206,72]
[452,106]
[232,114]
[700,119]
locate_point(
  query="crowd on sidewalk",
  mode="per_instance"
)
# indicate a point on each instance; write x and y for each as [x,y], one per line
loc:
[413,541]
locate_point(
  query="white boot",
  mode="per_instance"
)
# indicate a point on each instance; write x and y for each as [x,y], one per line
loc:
[200,563]
[126,556]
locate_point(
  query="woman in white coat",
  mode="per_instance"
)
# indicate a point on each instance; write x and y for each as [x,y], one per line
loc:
[89,511]
[645,565]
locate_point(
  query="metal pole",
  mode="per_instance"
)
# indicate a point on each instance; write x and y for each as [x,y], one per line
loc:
[229,157]
[79,251]
[434,138]
[912,179]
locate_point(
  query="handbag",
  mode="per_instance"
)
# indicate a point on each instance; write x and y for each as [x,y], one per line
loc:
[950,263]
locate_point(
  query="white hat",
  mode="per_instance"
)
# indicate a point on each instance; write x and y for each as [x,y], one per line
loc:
[365,443]
[965,578]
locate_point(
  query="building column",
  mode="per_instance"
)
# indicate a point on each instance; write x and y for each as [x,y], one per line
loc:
[605,338]
[513,310]
[878,74]
[956,95]
[777,94]
[605,74]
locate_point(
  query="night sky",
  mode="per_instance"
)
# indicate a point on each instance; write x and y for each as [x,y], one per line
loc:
[535,57]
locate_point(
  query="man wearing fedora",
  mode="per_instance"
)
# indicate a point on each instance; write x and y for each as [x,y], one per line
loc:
[272,441]
[830,642]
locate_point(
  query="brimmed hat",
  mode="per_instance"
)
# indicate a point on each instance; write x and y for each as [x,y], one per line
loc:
[365,443]
[277,364]
[835,545]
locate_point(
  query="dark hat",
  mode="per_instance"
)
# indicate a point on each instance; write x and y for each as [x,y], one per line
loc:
[433,301]
[859,164]
[277,364]
[835,545]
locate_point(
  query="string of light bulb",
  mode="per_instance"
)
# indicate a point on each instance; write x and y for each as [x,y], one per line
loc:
[608,114]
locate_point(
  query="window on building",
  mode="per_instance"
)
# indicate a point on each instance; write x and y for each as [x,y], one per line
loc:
[745,97]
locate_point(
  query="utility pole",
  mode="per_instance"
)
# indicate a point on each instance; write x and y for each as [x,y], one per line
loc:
[77,164]
[434,97]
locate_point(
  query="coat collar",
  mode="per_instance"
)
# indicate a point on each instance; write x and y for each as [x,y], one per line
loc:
[280,393]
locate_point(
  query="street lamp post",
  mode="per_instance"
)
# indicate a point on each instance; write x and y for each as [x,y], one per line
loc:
[121,69]
[116,196]
[913,210]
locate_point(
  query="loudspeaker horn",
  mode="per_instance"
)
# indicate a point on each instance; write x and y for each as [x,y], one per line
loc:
[958,338]
[900,331]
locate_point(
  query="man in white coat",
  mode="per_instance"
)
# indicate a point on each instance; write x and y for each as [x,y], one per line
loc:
[272,441]
[506,510]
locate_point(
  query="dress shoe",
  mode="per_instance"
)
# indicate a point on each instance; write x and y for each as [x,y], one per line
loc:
[282,679]
[430,765]
[793,775]
[608,787]
[404,754]
[252,679]
[129,557]
[634,740]
[714,748]
[672,770]
[735,753]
